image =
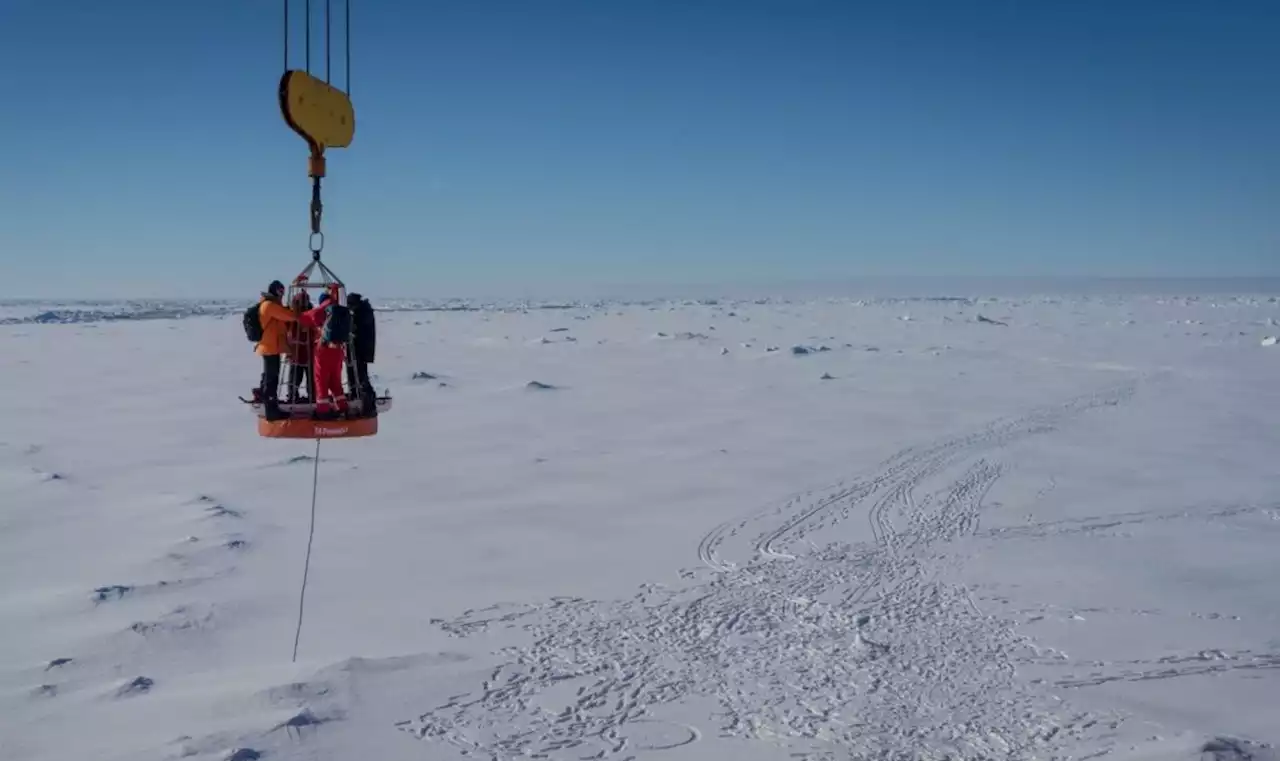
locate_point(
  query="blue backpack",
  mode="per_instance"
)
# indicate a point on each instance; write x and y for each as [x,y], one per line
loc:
[337,325]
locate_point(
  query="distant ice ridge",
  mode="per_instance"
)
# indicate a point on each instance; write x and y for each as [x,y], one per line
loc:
[47,312]
[31,311]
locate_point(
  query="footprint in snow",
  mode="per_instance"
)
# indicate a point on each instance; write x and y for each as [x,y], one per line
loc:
[56,662]
[222,511]
[300,721]
[244,754]
[215,508]
[111,592]
[1232,749]
[138,686]
[296,692]
[180,619]
[539,386]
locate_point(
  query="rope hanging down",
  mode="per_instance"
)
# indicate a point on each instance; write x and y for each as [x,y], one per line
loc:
[306,566]
[323,116]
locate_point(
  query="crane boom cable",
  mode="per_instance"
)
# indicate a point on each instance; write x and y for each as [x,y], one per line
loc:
[308,36]
[315,108]
[328,40]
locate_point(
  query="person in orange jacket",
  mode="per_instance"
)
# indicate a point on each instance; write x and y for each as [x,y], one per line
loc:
[275,318]
[328,357]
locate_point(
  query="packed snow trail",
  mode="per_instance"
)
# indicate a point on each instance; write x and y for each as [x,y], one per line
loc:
[841,651]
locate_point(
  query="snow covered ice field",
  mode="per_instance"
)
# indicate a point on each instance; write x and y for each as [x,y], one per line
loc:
[917,538]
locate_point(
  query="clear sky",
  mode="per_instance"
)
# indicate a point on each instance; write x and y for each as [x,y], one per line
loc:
[544,142]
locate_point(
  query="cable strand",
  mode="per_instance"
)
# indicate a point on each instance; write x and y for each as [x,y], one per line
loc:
[308,36]
[306,567]
[347,55]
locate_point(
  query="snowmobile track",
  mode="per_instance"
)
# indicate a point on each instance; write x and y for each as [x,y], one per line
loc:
[895,480]
[832,649]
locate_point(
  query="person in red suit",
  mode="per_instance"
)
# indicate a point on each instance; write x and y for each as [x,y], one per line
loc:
[329,355]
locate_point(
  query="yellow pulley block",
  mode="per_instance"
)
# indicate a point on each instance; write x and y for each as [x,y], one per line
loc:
[319,112]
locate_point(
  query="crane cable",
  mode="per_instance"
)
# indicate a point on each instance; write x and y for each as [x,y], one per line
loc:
[346,55]
[317,207]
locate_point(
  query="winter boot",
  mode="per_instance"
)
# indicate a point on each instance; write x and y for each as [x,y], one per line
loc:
[273,411]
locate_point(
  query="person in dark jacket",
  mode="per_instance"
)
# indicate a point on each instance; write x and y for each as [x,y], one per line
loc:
[365,342]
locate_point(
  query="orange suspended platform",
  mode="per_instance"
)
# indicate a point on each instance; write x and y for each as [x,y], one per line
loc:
[302,428]
[302,425]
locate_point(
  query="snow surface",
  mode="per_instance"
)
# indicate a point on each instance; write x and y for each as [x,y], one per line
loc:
[653,531]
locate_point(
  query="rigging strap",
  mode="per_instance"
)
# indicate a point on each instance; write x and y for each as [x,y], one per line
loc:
[317,209]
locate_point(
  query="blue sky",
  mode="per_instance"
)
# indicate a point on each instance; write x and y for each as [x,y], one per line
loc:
[560,142]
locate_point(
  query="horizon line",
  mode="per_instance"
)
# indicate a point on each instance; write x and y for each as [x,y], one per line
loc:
[706,290]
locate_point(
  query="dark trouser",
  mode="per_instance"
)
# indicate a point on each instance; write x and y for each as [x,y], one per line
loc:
[270,377]
[358,381]
[362,377]
[300,376]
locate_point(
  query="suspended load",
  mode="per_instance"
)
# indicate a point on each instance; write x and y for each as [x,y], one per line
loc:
[323,384]
[315,380]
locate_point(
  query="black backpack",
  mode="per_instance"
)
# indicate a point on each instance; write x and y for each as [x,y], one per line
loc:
[337,325]
[253,323]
